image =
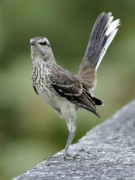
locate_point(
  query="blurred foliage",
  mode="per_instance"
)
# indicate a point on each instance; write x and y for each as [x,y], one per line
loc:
[29,130]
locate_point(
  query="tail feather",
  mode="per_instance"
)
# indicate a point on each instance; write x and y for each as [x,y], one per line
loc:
[101,36]
[106,42]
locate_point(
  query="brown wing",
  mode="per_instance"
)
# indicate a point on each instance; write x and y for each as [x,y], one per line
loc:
[71,88]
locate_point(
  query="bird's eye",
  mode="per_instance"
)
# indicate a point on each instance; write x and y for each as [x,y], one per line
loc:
[43,43]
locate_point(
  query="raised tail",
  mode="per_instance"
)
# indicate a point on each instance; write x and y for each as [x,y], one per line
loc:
[101,36]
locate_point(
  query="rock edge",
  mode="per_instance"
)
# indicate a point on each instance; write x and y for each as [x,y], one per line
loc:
[106,152]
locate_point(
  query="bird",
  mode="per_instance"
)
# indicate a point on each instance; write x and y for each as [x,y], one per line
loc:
[64,91]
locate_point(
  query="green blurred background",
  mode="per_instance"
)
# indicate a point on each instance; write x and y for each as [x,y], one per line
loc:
[29,130]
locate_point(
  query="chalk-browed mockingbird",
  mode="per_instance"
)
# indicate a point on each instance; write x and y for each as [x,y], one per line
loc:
[62,90]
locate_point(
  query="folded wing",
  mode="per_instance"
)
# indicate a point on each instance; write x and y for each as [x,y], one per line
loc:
[70,87]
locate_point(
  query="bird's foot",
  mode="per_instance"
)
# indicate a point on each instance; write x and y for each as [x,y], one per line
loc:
[70,156]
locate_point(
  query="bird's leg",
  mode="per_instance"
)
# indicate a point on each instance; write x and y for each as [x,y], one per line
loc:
[69,114]
[69,141]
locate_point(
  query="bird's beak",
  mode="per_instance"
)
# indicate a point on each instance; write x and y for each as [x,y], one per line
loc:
[32,42]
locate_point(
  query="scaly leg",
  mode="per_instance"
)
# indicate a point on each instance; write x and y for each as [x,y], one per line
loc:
[69,141]
[69,114]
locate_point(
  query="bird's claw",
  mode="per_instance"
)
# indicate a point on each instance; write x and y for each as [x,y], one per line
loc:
[70,157]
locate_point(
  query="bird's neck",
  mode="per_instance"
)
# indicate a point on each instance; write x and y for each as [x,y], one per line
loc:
[46,61]
[48,58]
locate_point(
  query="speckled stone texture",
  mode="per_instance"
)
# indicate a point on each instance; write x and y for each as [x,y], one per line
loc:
[106,152]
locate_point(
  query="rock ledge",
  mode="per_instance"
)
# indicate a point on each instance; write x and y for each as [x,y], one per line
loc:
[106,152]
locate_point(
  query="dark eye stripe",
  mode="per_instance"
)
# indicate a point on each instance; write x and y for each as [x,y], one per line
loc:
[43,43]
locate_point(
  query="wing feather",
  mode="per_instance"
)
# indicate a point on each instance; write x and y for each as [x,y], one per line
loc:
[73,89]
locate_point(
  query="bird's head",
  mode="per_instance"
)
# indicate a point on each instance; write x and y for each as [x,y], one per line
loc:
[40,48]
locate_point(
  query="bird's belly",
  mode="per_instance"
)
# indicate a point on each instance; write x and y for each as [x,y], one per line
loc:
[47,95]
[60,105]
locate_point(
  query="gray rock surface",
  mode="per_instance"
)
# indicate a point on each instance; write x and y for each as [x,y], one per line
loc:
[106,152]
